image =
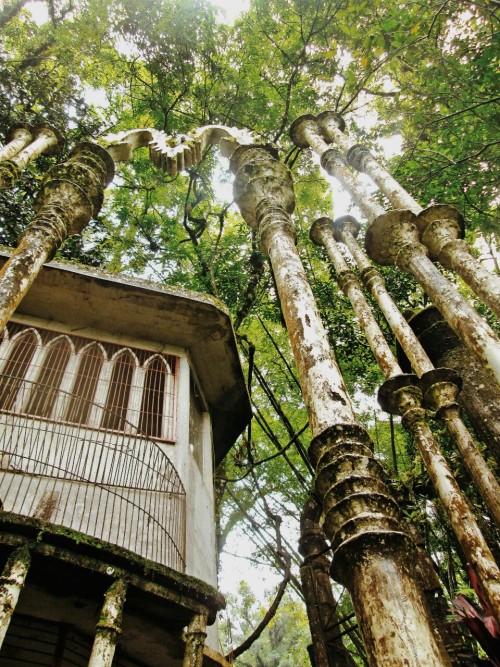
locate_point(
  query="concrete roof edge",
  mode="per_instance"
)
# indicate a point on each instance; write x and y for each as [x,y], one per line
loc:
[211,338]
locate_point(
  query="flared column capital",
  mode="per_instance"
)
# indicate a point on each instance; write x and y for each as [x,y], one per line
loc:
[346,223]
[300,128]
[320,227]
[358,156]
[331,123]
[262,182]
[441,229]
[392,238]
[72,192]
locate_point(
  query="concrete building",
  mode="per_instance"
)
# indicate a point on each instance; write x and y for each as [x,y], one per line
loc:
[117,400]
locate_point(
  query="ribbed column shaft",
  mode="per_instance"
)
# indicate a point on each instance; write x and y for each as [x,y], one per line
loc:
[404,399]
[444,404]
[372,555]
[70,195]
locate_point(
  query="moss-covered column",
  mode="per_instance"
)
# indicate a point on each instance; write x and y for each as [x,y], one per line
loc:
[372,555]
[480,395]
[306,132]
[45,139]
[393,238]
[18,137]
[442,231]
[440,386]
[108,627]
[11,584]
[327,649]
[361,159]
[441,226]
[346,229]
[71,194]
[196,634]
[400,395]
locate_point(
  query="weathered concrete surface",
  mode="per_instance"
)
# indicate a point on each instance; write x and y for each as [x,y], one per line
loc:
[346,229]
[440,225]
[327,649]
[361,518]
[322,233]
[480,395]
[70,196]
[307,131]
[174,154]
[393,238]
[27,144]
[109,626]
[11,584]
[361,159]
[464,525]
[18,137]
[401,395]
[440,389]
[437,391]
[441,229]
[195,639]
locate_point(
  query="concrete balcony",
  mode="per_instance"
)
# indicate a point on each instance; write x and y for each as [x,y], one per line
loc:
[119,487]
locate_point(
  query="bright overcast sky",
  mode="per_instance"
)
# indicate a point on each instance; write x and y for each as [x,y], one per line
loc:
[231,8]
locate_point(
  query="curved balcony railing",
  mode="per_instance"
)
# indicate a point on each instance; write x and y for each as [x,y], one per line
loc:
[114,486]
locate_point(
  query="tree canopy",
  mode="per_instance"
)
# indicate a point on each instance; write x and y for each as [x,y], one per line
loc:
[420,75]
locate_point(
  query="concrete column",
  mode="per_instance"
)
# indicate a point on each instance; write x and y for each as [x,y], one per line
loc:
[109,625]
[441,226]
[441,386]
[11,584]
[441,229]
[440,389]
[317,133]
[18,137]
[361,159]
[403,397]
[321,233]
[321,607]
[372,555]
[393,238]
[45,139]
[305,131]
[400,395]
[195,640]
[70,196]
[346,229]
[480,395]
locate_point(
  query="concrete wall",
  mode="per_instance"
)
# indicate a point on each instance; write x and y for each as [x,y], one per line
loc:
[102,510]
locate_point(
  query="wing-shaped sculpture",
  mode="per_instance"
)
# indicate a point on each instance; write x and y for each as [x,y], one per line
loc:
[173,154]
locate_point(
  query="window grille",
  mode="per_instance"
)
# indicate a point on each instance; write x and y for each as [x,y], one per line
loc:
[22,349]
[119,391]
[101,385]
[48,381]
[84,389]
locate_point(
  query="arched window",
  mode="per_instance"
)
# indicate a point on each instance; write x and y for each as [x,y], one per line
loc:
[45,391]
[21,354]
[115,412]
[153,398]
[84,388]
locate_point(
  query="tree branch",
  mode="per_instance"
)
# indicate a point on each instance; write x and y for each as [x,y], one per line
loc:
[271,612]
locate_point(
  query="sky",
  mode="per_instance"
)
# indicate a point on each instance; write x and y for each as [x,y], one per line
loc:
[230,8]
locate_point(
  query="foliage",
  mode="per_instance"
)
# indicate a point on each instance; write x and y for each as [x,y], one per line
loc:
[283,643]
[423,73]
